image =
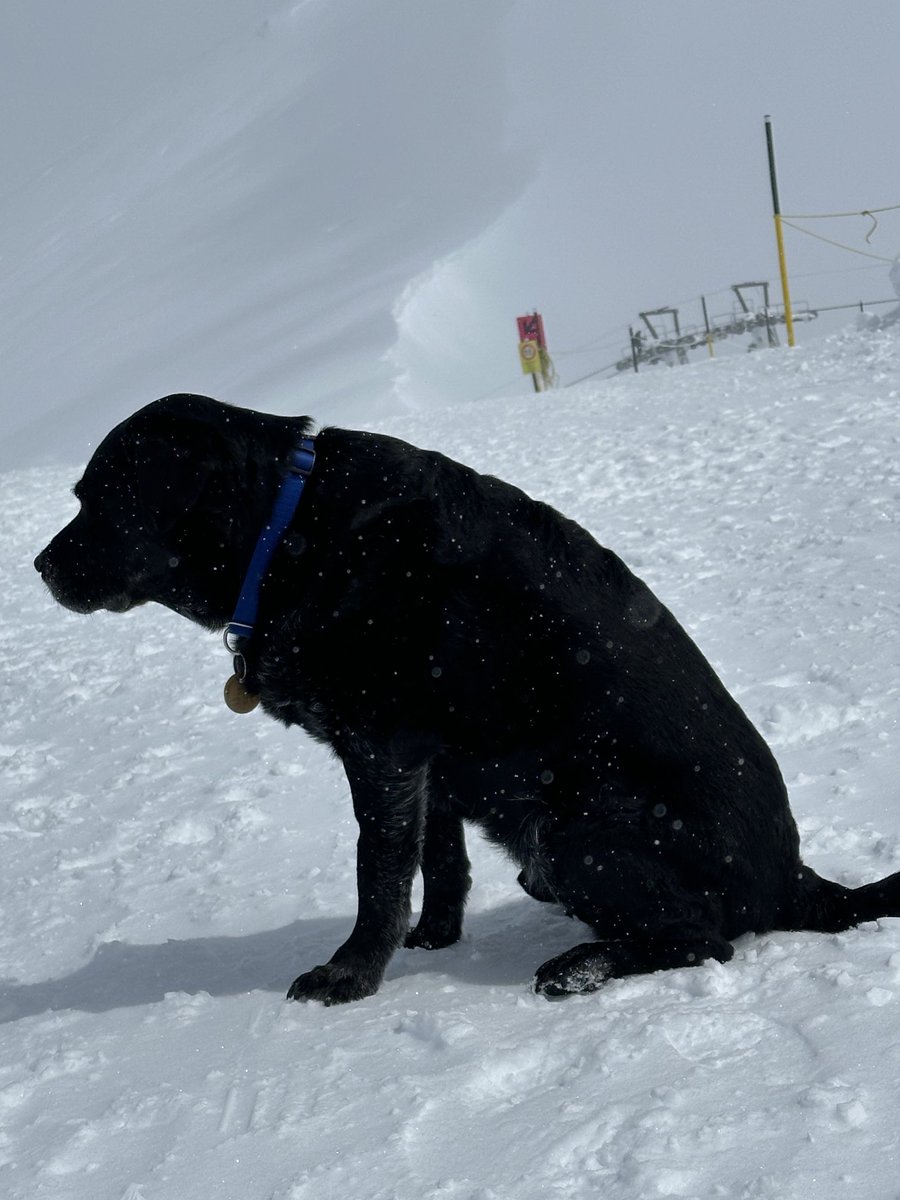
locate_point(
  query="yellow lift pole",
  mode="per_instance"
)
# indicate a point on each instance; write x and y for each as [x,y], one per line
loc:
[779,237]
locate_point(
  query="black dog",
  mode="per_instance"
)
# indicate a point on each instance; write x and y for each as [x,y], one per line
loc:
[470,655]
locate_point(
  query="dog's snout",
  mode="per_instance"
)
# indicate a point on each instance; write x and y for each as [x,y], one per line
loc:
[40,563]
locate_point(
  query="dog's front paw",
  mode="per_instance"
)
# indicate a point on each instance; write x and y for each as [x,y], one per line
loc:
[334,983]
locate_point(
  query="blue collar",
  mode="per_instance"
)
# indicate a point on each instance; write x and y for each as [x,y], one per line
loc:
[240,629]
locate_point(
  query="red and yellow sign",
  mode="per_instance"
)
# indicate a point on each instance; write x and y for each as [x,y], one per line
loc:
[532,346]
[530,356]
[531,329]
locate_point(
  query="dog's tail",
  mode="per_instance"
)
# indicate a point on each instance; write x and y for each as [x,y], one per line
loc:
[828,907]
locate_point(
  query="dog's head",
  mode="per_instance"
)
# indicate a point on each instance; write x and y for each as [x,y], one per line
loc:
[169,501]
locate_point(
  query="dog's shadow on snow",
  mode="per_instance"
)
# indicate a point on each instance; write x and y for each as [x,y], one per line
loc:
[501,946]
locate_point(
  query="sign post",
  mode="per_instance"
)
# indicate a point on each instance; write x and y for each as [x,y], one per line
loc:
[533,349]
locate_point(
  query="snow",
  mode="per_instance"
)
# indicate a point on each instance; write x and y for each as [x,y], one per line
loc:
[340,208]
[169,867]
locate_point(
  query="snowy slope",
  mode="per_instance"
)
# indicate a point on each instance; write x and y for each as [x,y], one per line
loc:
[169,867]
[244,217]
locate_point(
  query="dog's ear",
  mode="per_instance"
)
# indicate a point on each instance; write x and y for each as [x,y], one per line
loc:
[169,476]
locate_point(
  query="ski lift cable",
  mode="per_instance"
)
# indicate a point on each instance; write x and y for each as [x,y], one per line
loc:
[840,245]
[862,212]
[835,271]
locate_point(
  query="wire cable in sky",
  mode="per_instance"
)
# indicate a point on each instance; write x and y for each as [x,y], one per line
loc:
[840,245]
[862,212]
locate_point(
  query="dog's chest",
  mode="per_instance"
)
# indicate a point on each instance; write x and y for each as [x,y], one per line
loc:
[305,710]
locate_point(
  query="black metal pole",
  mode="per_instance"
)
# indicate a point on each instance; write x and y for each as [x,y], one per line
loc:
[773,178]
[709,341]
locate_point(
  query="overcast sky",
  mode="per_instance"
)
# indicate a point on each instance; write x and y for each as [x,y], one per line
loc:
[422,173]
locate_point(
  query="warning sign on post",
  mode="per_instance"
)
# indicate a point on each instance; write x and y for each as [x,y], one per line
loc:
[533,351]
[531,329]
[530,356]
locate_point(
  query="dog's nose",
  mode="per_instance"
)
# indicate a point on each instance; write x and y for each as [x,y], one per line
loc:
[40,562]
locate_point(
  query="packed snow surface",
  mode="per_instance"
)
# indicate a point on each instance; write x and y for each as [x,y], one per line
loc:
[168,867]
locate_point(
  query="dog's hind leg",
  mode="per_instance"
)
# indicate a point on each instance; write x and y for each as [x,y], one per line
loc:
[446,878]
[646,916]
[587,967]
[534,885]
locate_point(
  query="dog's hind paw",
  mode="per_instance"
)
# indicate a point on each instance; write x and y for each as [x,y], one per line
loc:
[582,969]
[434,935]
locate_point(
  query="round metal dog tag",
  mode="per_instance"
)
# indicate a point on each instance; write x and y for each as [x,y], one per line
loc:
[237,697]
